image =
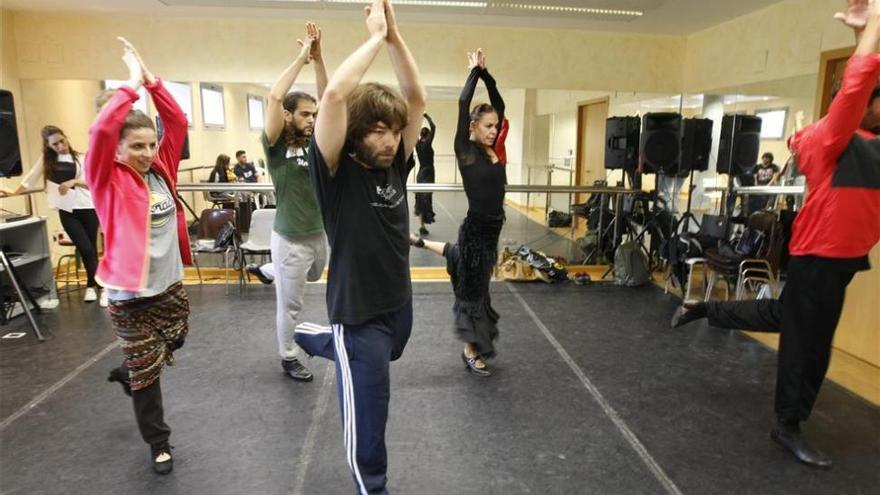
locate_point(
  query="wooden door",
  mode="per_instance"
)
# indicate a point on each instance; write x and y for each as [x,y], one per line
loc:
[591,143]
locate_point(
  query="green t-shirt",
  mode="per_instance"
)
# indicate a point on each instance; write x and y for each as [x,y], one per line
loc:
[297,211]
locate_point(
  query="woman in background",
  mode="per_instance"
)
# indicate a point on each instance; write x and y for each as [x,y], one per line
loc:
[62,173]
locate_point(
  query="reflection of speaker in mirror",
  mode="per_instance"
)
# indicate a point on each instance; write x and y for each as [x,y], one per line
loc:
[10,155]
[739,144]
[622,143]
[160,130]
[696,144]
[660,147]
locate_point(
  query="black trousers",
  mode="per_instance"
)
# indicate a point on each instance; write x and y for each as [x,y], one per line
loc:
[82,228]
[149,413]
[806,316]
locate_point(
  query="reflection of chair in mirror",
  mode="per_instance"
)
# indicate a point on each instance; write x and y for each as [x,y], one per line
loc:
[259,239]
[210,223]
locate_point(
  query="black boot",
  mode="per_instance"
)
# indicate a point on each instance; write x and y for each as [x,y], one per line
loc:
[789,437]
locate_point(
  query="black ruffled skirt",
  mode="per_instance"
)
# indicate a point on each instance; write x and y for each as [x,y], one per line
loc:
[470,263]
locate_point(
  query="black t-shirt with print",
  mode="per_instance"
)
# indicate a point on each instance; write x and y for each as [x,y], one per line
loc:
[366,218]
[763,175]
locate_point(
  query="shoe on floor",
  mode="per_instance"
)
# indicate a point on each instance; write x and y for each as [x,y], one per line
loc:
[255,271]
[793,442]
[296,370]
[423,231]
[120,375]
[91,295]
[105,299]
[471,365]
[162,461]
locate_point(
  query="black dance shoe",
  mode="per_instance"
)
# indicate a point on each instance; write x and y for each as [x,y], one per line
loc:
[162,461]
[296,370]
[794,443]
[423,231]
[688,312]
[416,241]
[120,375]
[471,365]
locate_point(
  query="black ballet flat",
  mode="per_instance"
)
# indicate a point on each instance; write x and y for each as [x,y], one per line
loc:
[471,365]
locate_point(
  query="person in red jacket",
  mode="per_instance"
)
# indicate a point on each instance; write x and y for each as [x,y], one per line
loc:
[133,182]
[832,236]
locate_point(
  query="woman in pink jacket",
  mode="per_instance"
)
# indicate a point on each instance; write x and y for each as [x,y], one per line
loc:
[133,183]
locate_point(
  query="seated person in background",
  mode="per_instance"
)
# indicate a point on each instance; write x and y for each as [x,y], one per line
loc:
[246,172]
[222,172]
[767,172]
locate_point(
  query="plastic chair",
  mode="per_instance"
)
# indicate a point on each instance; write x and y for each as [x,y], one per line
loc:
[259,238]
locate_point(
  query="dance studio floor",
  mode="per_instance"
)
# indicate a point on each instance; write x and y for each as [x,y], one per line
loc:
[592,393]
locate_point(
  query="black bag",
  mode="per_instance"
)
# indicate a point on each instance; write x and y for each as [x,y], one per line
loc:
[750,242]
[558,219]
[226,236]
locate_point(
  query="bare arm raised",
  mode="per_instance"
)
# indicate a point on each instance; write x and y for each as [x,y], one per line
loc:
[274,107]
[407,73]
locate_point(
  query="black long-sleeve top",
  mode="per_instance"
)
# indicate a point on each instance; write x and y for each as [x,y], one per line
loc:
[425,147]
[483,180]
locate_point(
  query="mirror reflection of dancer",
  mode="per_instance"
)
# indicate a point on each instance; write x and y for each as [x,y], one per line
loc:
[424,208]
[835,230]
[145,242]
[471,260]
[358,165]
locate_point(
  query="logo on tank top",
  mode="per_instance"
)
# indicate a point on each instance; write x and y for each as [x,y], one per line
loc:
[389,196]
[161,209]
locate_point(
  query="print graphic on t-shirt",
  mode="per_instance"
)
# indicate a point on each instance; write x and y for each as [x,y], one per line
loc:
[299,156]
[161,209]
[389,197]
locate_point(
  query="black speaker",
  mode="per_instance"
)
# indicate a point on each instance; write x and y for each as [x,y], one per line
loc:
[622,142]
[10,154]
[739,144]
[696,144]
[660,146]
[160,131]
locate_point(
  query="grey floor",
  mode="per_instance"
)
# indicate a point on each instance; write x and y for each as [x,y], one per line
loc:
[592,394]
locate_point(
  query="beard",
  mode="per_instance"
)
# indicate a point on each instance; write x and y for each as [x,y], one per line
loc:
[294,136]
[370,157]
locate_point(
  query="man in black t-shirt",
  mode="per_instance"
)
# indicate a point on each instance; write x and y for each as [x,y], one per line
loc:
[363,136]
[246,172]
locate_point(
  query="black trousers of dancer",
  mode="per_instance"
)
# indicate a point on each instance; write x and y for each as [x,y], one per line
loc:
[806,316]
[149,412]
[82,228]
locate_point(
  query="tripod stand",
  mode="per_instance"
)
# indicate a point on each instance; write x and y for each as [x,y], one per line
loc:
[23,293]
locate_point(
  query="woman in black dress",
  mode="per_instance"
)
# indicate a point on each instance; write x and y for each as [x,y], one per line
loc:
[471,260]
[425,150]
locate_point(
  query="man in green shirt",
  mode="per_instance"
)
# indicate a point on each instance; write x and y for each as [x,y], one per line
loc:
[298,245]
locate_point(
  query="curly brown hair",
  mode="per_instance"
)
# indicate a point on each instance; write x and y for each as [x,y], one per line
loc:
[369,104]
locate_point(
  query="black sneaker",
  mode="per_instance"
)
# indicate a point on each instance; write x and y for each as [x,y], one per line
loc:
[255,271]
[296,370]
[162,461]
[120,375]
[423,231]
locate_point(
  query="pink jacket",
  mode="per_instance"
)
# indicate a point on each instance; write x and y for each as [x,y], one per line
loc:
[121,195]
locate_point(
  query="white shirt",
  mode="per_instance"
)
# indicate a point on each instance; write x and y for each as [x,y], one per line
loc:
[77,198]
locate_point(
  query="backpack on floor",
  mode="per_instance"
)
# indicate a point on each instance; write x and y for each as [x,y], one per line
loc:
[630,265]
